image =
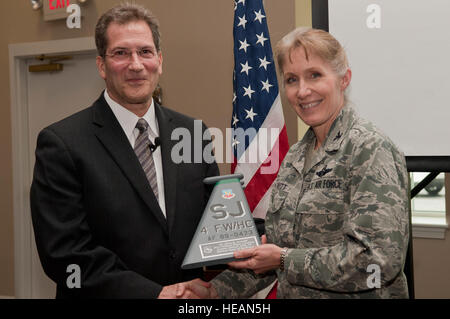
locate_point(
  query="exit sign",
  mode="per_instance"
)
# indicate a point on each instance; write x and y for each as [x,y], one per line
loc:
[56,9]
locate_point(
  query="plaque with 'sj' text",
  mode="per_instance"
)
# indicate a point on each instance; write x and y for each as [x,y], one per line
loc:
[226,226]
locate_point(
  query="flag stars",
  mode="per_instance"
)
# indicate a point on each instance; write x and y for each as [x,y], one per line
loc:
[250,114]
[245,67]
[244,45]
[261,38]
[242,21]
[235,120]
[264,63]
[253,75]
[266,85]
[259,16]
[235,143]
[248,91]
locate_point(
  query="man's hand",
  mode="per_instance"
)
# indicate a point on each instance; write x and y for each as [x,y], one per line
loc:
[194,289]
[198,288]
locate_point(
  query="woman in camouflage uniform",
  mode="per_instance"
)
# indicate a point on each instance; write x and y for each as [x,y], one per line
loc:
[337,226]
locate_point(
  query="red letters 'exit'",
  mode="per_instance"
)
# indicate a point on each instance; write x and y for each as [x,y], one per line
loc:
[59,4]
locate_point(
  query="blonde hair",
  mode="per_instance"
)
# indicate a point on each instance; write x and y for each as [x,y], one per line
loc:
[314,41]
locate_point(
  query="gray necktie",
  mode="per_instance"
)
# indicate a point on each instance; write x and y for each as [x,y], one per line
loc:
[142,150]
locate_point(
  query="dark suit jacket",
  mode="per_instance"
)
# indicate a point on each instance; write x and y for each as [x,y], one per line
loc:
[92,206]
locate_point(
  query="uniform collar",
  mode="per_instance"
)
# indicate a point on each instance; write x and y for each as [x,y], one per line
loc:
[338,131]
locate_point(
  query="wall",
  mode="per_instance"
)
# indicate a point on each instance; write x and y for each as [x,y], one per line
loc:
[197,73]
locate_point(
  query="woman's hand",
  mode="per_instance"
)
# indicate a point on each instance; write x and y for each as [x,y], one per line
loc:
[260,259]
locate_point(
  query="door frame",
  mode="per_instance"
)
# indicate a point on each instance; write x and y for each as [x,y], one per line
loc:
[23,239]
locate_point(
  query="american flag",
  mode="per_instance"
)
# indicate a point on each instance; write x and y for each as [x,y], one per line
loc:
[259,133]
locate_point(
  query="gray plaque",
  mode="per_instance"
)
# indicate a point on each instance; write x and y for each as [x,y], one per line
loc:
[226,226]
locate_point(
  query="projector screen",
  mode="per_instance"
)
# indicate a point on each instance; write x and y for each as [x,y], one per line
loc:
[399,53]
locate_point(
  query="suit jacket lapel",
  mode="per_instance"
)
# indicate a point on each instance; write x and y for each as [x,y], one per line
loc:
[170,171]
[111,135]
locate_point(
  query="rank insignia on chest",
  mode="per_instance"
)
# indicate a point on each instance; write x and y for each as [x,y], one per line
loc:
[324,171]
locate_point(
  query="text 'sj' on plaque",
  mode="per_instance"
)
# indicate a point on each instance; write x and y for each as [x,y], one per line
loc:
[226,226]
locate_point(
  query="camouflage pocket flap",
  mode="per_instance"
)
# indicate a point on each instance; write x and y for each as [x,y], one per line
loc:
[277,202]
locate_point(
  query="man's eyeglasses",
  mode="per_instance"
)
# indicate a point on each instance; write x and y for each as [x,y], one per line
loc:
[124,55]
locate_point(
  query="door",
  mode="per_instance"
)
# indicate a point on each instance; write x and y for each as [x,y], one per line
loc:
[53,96]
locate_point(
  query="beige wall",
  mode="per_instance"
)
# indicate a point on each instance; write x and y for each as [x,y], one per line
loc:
[197,73]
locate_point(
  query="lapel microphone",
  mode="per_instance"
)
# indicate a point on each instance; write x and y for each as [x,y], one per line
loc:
[152,146]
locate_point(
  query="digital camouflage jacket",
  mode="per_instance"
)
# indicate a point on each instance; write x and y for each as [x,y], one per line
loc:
[345,220]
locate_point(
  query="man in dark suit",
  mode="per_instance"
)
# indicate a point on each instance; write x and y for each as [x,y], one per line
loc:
[105,196]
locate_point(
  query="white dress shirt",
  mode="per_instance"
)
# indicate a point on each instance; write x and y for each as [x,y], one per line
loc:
[128,121]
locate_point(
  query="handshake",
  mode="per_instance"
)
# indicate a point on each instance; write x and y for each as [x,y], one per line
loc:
[260,259]
[194,289]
